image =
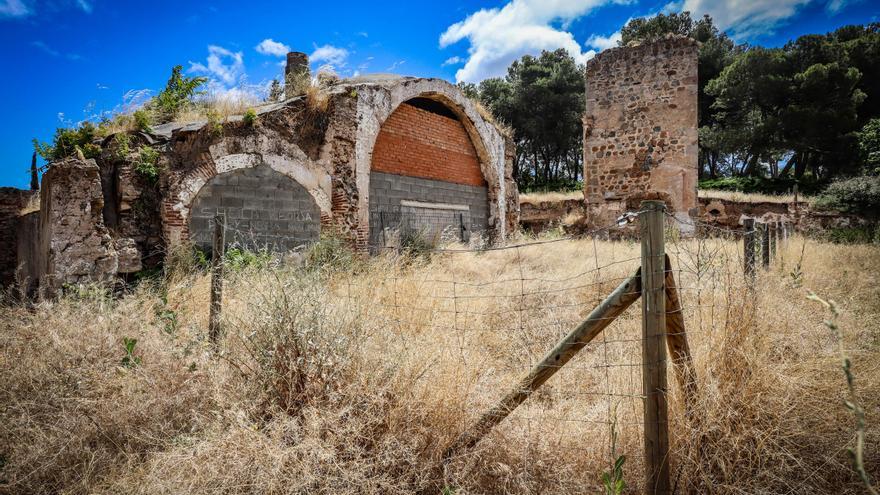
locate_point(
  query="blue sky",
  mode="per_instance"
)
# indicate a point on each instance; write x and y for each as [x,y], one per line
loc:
[67,60]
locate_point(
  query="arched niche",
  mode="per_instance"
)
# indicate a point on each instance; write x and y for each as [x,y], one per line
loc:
[264,209]
[426,176]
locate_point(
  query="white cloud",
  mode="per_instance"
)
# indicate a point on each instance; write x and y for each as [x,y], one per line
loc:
[453,61]
[499,36]
[271,47]
[395,65]
[13,8]
[225,65]
[745,18]
[835,6]
[331,55]
[85,6]
[602,42]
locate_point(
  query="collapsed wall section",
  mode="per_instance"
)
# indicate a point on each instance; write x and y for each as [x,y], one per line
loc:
[640,128]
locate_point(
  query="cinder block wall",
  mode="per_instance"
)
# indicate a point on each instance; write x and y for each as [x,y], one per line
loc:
[263,208]
[426,157]
[640,126]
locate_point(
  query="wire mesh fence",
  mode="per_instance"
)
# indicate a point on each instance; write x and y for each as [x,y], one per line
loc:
[473,321]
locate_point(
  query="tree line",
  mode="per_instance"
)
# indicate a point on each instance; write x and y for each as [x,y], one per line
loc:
[808,111]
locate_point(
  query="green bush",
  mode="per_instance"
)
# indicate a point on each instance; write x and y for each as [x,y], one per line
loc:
[66,141]
[763,185]
[238,259]
[142,120]
[857,195]
[147,164]
[853,235]
[250,117]
[177,95]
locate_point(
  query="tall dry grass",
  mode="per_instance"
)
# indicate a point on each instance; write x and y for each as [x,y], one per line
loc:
[355,380]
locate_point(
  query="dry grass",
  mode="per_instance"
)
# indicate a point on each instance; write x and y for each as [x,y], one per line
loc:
[742,197]
[354,382]
[551,196]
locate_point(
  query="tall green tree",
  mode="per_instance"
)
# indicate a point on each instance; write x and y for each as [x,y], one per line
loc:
[542,100]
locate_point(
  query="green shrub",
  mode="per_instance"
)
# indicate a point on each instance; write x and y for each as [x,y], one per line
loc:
[122,142]
[250,117]
[215,126]
[869,146]
[416,244]
[332,252]
[238,259]
[857,195]
[147,164]
[853,235]
[67,140]
[178,94]
[763,185]
[142,120]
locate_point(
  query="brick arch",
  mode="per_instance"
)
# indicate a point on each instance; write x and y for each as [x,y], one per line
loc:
[375,107]
[177,205]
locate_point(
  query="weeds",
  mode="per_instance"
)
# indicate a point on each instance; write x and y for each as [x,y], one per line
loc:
[250,117]
[147,164]
[857,454]
[130,360]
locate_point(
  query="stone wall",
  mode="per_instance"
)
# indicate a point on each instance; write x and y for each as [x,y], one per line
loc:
[263,210]
[640,127]
[12,201]
[75,246]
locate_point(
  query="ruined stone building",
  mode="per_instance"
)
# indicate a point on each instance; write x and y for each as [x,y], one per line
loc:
[640,128]
[359,157]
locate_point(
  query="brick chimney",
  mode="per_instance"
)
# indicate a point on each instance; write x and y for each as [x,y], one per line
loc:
[296,70]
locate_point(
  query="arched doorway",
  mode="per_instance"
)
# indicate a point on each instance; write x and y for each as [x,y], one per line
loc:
[264,210]
[425,176]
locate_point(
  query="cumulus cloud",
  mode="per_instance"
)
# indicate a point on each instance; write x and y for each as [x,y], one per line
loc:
[745,18]
[499,36]
[453,61]
[330,55]
[13,8]
[604,42]
[271,47]
[225,65]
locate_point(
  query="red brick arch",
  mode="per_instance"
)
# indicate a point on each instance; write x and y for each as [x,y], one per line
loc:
[429,143]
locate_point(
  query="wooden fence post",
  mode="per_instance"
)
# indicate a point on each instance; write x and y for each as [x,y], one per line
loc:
[749,248]
[765,245]
[218,250]
[774,239]
[656,425]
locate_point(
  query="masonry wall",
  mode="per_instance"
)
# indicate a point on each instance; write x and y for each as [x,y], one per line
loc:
[419,143]
[263,209]
[12,201]
[640,126]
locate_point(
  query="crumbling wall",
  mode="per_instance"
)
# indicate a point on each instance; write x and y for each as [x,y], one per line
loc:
[75,246]
[12,202]
[640,127]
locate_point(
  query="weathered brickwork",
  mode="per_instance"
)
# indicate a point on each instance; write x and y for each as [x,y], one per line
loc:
[640,126]
[263,210]
[418,143]
[12,201]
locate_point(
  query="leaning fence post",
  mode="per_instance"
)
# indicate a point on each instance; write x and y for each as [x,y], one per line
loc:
[656,425]
[749,248]
[218,250]
[765,245]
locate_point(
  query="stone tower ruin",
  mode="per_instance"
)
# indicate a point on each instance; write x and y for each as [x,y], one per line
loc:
[640,128]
